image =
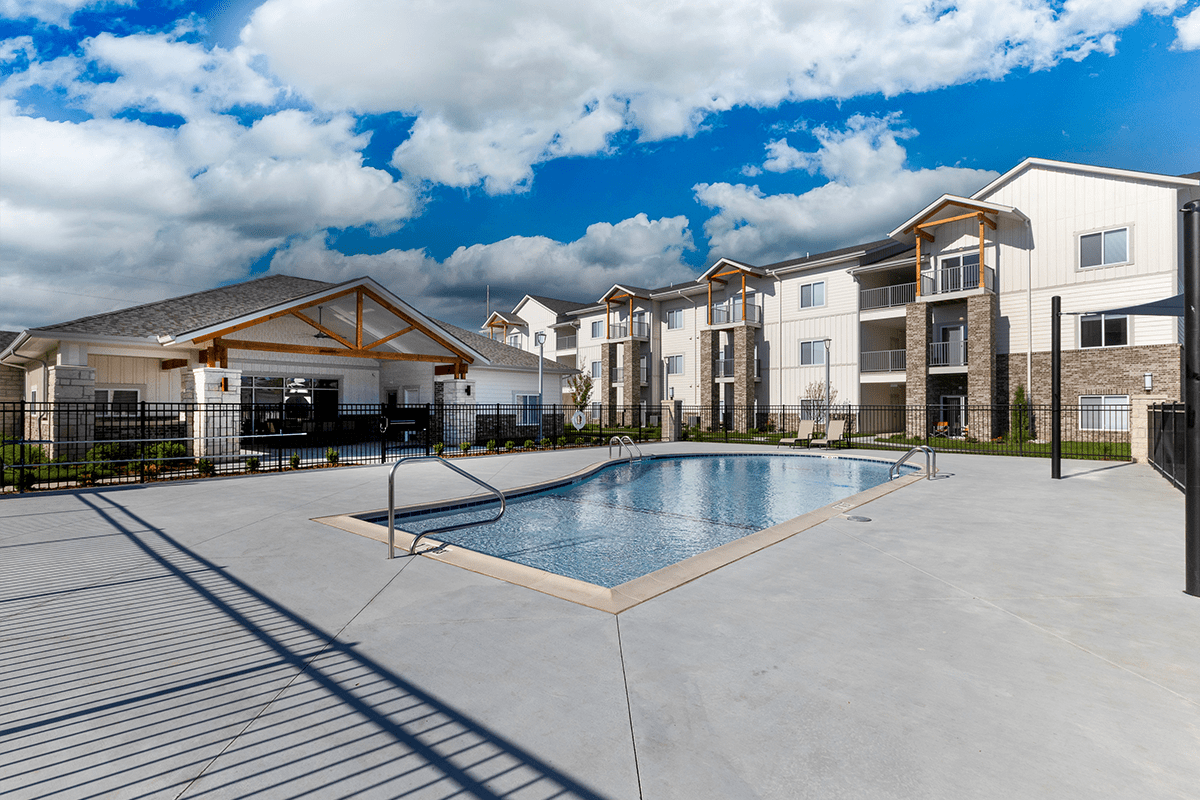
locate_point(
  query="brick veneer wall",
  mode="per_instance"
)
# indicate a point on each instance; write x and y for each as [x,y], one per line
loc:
[982,312]
[608,360]
[744,390]
[918,324]
[632,364]
[708,387]
[1108,370]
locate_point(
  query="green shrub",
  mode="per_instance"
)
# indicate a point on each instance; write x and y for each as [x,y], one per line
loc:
[205,467]
[510,445]
[164,452]
[491,445]
[562,441]
[294,461]
[464,447]
[438,448]
[1019,425]
[529,444]
[332,456]
[252,464]
[546,443]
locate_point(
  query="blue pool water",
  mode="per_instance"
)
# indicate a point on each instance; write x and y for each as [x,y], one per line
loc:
[628,520]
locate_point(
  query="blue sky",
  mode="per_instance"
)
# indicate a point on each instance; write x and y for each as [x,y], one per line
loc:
[148,150]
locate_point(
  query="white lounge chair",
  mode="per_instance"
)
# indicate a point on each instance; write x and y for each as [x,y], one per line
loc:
[803,434]
[835,432]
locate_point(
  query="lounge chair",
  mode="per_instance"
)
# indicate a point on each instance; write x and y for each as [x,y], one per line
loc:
[804,434]
[835,432]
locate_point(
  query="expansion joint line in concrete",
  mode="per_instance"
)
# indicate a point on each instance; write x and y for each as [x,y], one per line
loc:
[637,771]
[283,689]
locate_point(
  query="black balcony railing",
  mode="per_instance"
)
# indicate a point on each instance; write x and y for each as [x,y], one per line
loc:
[1168,442]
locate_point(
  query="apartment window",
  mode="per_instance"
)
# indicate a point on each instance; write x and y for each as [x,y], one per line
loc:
[1104,412]
[812,295]
[1104,248]
[598,330]
[675,319]
[115,402]
[674,365]
[1103,330]
[812,353]
[514,340]
[596,370]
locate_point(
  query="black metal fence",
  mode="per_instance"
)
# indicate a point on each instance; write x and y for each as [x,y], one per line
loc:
[1168,442]
[63,445]
[1088,432]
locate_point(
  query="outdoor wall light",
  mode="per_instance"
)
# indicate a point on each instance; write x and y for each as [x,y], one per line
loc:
[1148,378]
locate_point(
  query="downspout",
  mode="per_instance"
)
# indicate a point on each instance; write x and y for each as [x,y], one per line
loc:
[1029,305]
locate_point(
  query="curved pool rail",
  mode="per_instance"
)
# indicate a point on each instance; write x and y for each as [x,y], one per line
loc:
[412,548]
[622,442]
[930,455]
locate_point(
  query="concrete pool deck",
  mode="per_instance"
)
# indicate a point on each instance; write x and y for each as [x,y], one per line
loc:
[992,633]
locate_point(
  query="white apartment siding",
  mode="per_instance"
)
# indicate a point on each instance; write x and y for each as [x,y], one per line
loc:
[154,384]
[1062,205]
[685,342]
[502,386]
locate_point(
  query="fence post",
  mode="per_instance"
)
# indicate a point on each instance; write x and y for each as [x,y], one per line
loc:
[429,424]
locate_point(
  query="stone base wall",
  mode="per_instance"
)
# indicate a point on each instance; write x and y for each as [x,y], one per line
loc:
[1108,370]
[631,362]
[982,313]
[745,392]
[918,330]
[709,399]
[607,391]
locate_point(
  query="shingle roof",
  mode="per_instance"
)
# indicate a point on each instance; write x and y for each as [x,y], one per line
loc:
[6,337]
[813,257]
[499,353]
[559,306]
[193,311]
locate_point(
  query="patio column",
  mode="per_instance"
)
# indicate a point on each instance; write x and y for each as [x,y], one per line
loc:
[709,402]
[982,312]
[608,392]
[217,421]
[918,323]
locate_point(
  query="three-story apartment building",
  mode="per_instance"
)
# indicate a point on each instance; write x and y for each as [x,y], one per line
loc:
[951,310]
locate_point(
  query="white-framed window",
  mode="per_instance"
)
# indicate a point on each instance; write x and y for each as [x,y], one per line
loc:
[1104,248]
[117,402]
[598,329]
[530,406]
[674,319]
[812,295]
[812,352]
[1104,412]
[1103,330]
[674,365]
[596,367]
[514,340]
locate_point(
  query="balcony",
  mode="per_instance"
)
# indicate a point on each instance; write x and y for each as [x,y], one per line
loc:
[956,279]
[723,368]
[888,296]
[565,342]
[620,330]
[948,354]
[885,360]
[730,313]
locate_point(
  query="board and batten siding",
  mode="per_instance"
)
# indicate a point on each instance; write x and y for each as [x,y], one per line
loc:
[154,384]
[1041,260]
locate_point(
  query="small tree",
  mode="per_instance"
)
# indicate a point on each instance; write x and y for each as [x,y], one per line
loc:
[814,397]
[1019,425]
[581,390]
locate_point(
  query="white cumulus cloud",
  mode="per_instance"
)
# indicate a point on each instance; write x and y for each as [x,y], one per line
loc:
[637,250]
[496,88]
[1187,31]
[869,190]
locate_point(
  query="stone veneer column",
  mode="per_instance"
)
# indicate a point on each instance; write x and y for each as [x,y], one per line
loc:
[672,420]
[918,330]
[982,311]
[217,421]
[608,360]
[709,402]
[744,390]
[1139,425]
[458,423]
[632,364]
[72,389]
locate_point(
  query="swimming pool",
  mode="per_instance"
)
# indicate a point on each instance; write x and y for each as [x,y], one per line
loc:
[626,521]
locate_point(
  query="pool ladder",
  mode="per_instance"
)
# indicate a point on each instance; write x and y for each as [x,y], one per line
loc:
[392,504]
[930,462]
[622,442]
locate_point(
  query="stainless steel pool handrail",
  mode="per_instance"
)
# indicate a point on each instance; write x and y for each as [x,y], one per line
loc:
[621,442]
[392,504]
[930,462]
